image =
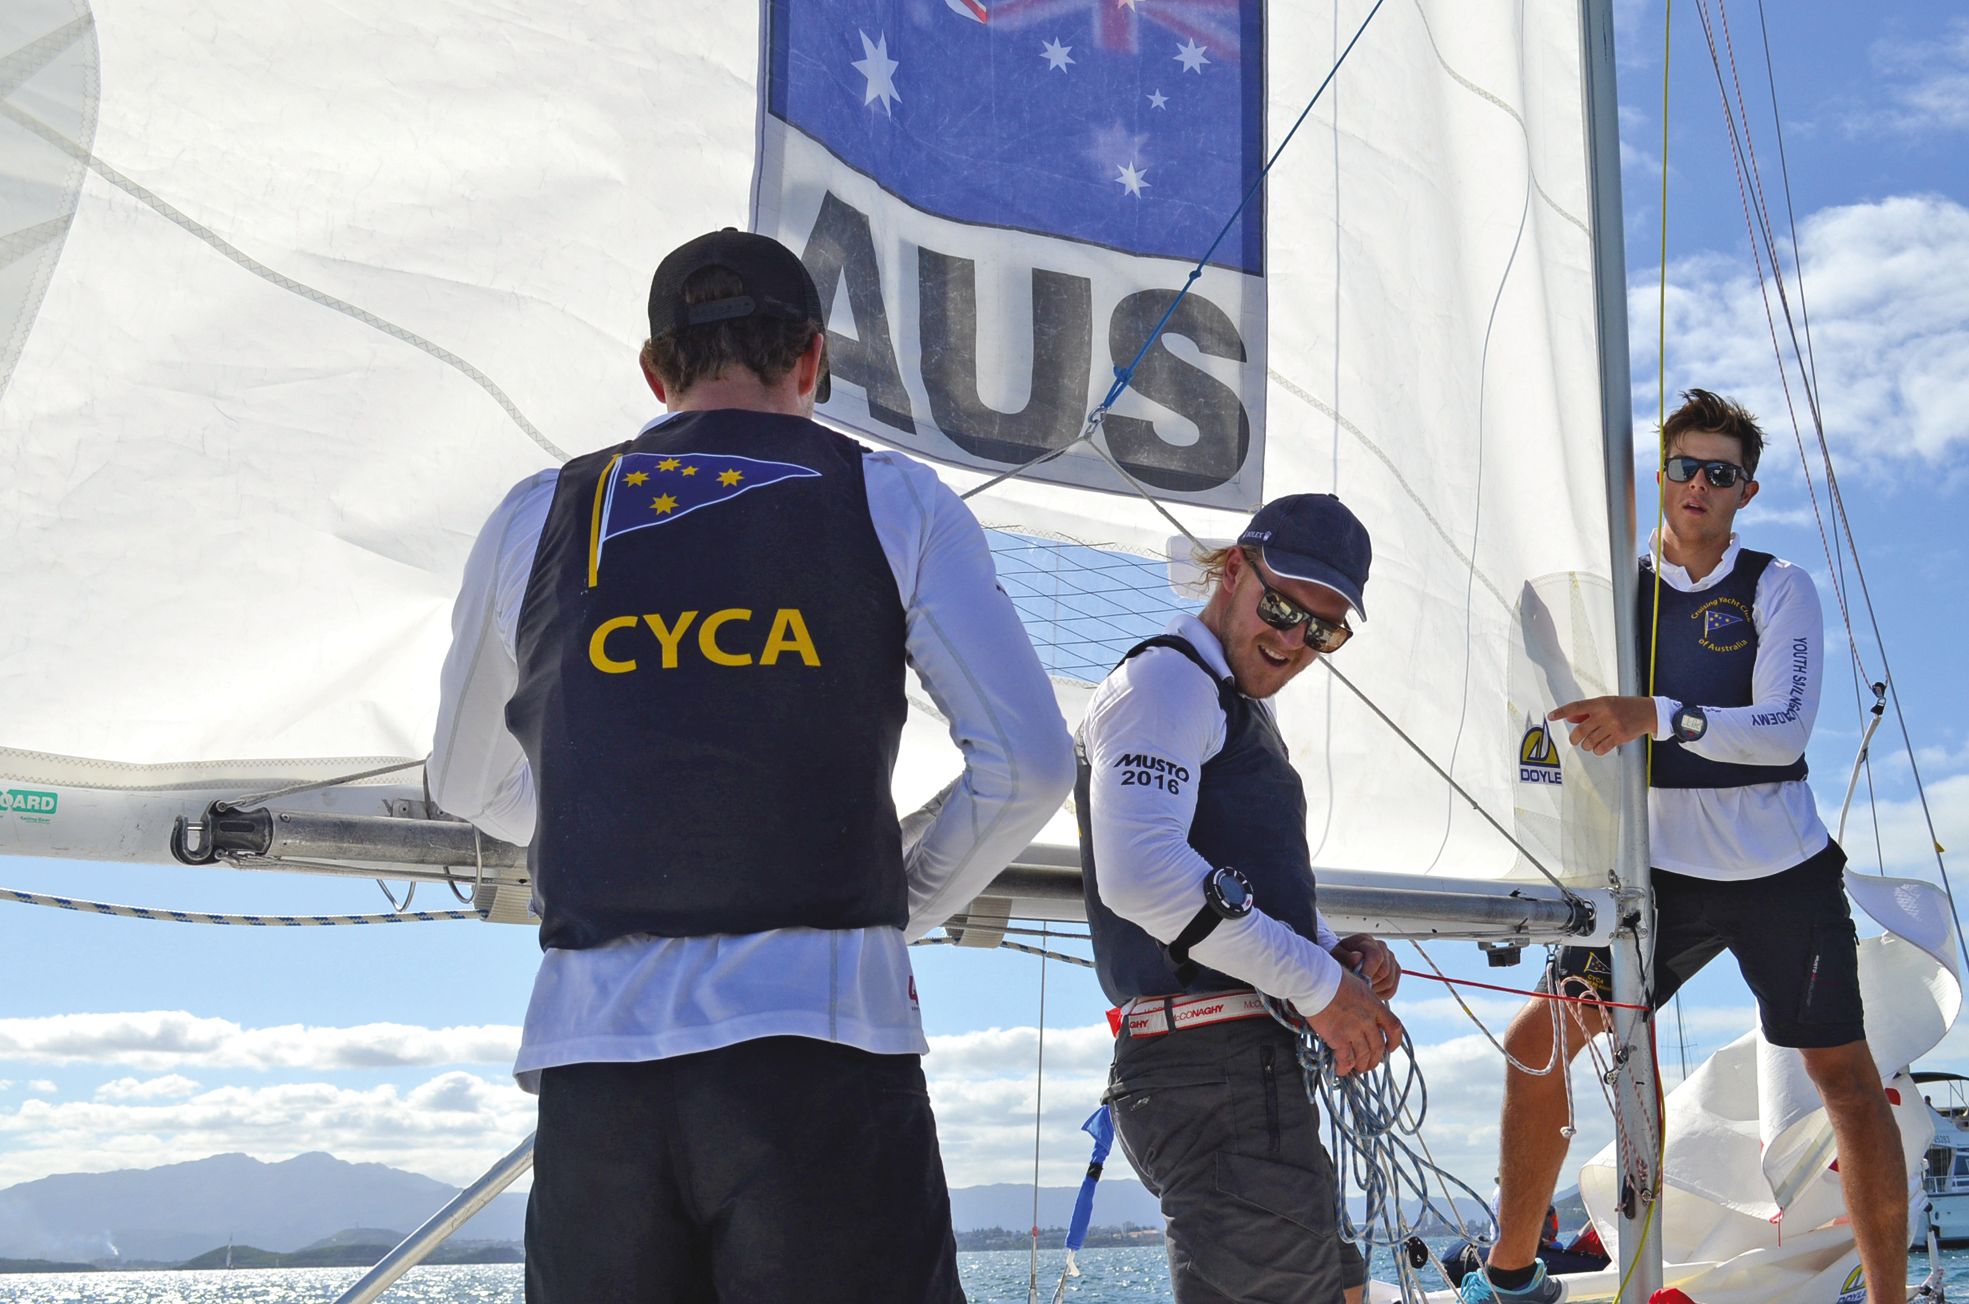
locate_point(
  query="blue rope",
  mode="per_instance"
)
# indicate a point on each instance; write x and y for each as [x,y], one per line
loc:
[1124,376]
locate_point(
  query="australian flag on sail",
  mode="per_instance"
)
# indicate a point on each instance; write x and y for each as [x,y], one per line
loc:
[999,199]
[1133,124]
[646,490]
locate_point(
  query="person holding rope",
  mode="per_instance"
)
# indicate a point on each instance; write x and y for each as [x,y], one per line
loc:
[1742,861]
[1200,896]
[678,671]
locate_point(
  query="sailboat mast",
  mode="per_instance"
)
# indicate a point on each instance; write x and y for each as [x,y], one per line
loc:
[1636,1117]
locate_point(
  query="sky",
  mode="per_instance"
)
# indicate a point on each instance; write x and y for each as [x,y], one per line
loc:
[131,1044]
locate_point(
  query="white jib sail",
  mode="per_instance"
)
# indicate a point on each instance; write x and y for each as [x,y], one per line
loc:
[287,301]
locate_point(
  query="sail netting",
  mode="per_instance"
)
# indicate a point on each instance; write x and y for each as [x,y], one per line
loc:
[288,300]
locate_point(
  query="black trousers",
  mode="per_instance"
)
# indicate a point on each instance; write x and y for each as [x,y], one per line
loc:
[782,1168]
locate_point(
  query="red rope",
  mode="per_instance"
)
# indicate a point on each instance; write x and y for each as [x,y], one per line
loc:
[1535,995]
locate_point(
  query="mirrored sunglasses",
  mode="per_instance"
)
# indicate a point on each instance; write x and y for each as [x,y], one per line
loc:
[1282,613]
[1722,475]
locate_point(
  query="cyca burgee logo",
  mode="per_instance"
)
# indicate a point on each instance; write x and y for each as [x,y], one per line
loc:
[30,804]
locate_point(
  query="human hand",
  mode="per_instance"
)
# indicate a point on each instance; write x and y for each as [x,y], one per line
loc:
[1601,724]
[1371,959]
[1356,1027]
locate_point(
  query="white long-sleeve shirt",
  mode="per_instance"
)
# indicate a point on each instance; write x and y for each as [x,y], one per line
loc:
[1158,703]
[640,998]
[1762,828]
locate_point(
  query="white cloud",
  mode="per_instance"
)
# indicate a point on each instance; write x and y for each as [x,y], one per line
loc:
[450,1127]
[162,1040]
[42,1087]
[1905,845]
[172,1086]
[1927,82]
[1887,284]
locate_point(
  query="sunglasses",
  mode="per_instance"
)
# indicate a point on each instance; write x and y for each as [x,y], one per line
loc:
[1722,475]
[1282,613]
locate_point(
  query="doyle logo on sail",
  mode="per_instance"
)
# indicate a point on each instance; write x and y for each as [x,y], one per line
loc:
[1538,757]
[29,804]
[999,203]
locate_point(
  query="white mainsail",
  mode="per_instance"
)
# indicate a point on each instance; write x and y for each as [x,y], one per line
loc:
[293,298]
[287,300]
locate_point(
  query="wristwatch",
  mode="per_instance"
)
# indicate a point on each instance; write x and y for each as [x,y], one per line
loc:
[1688,724]
[1227,894]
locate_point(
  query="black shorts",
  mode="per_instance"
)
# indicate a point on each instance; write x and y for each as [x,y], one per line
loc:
[1791,932]
[782,1168]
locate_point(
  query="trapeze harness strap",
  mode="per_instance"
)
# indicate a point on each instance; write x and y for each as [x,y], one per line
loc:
[1250,814]
[1706,655]
[711,662]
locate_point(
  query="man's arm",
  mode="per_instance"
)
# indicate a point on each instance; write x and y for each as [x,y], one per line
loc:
[966,643]
[1773,729]
[1160,705]
[477,770]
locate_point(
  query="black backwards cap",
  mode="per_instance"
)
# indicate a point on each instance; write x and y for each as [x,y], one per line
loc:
[776,284]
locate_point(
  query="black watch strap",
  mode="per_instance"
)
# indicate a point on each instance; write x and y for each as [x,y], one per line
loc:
[1201,926]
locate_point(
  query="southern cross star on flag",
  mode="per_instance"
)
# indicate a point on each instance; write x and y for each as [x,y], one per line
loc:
[650,489]
[1132,124]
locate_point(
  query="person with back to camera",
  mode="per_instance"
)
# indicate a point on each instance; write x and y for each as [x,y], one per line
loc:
[678,671]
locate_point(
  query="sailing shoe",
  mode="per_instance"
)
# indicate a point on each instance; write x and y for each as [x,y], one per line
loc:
[1540,1290]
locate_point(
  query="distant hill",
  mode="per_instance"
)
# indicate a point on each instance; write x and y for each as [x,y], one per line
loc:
[358,1247]
[41,1265]
[172,1213]
[1119,1199]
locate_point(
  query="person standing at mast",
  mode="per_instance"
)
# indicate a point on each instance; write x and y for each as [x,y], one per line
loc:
[1200,895]
[677,672]
[1742,861]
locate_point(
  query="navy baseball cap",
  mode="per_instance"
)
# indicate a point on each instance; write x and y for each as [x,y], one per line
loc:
[776,284]
[1313,537]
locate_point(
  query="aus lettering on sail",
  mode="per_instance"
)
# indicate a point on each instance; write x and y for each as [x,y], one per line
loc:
[994,232]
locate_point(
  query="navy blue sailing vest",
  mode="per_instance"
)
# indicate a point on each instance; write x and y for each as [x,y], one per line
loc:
[710,692]
[1705,656]
[1250,815]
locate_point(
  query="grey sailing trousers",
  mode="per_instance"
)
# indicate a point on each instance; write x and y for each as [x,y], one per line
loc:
[1216,1121]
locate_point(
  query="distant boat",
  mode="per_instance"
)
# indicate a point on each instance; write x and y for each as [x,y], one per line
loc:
[1945,1171]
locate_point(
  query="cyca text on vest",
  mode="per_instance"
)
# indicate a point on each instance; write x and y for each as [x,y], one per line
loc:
[614,650]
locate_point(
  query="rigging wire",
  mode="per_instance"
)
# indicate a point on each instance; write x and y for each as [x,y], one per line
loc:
[1745,163]
[1038,1113]
[1124,376]
[208,917]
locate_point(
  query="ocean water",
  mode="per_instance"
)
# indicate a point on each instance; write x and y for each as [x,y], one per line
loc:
[1112,1276]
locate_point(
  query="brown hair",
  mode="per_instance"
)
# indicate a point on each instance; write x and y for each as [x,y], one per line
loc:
[766,346]
[1704,411]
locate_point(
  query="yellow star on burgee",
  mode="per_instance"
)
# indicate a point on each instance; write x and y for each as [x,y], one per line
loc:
[664,504]
[635,477]
[729,478]
[690,470]
[668,464]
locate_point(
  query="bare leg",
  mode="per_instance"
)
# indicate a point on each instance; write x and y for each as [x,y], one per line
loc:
[1531,1148]
[1872,1170]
